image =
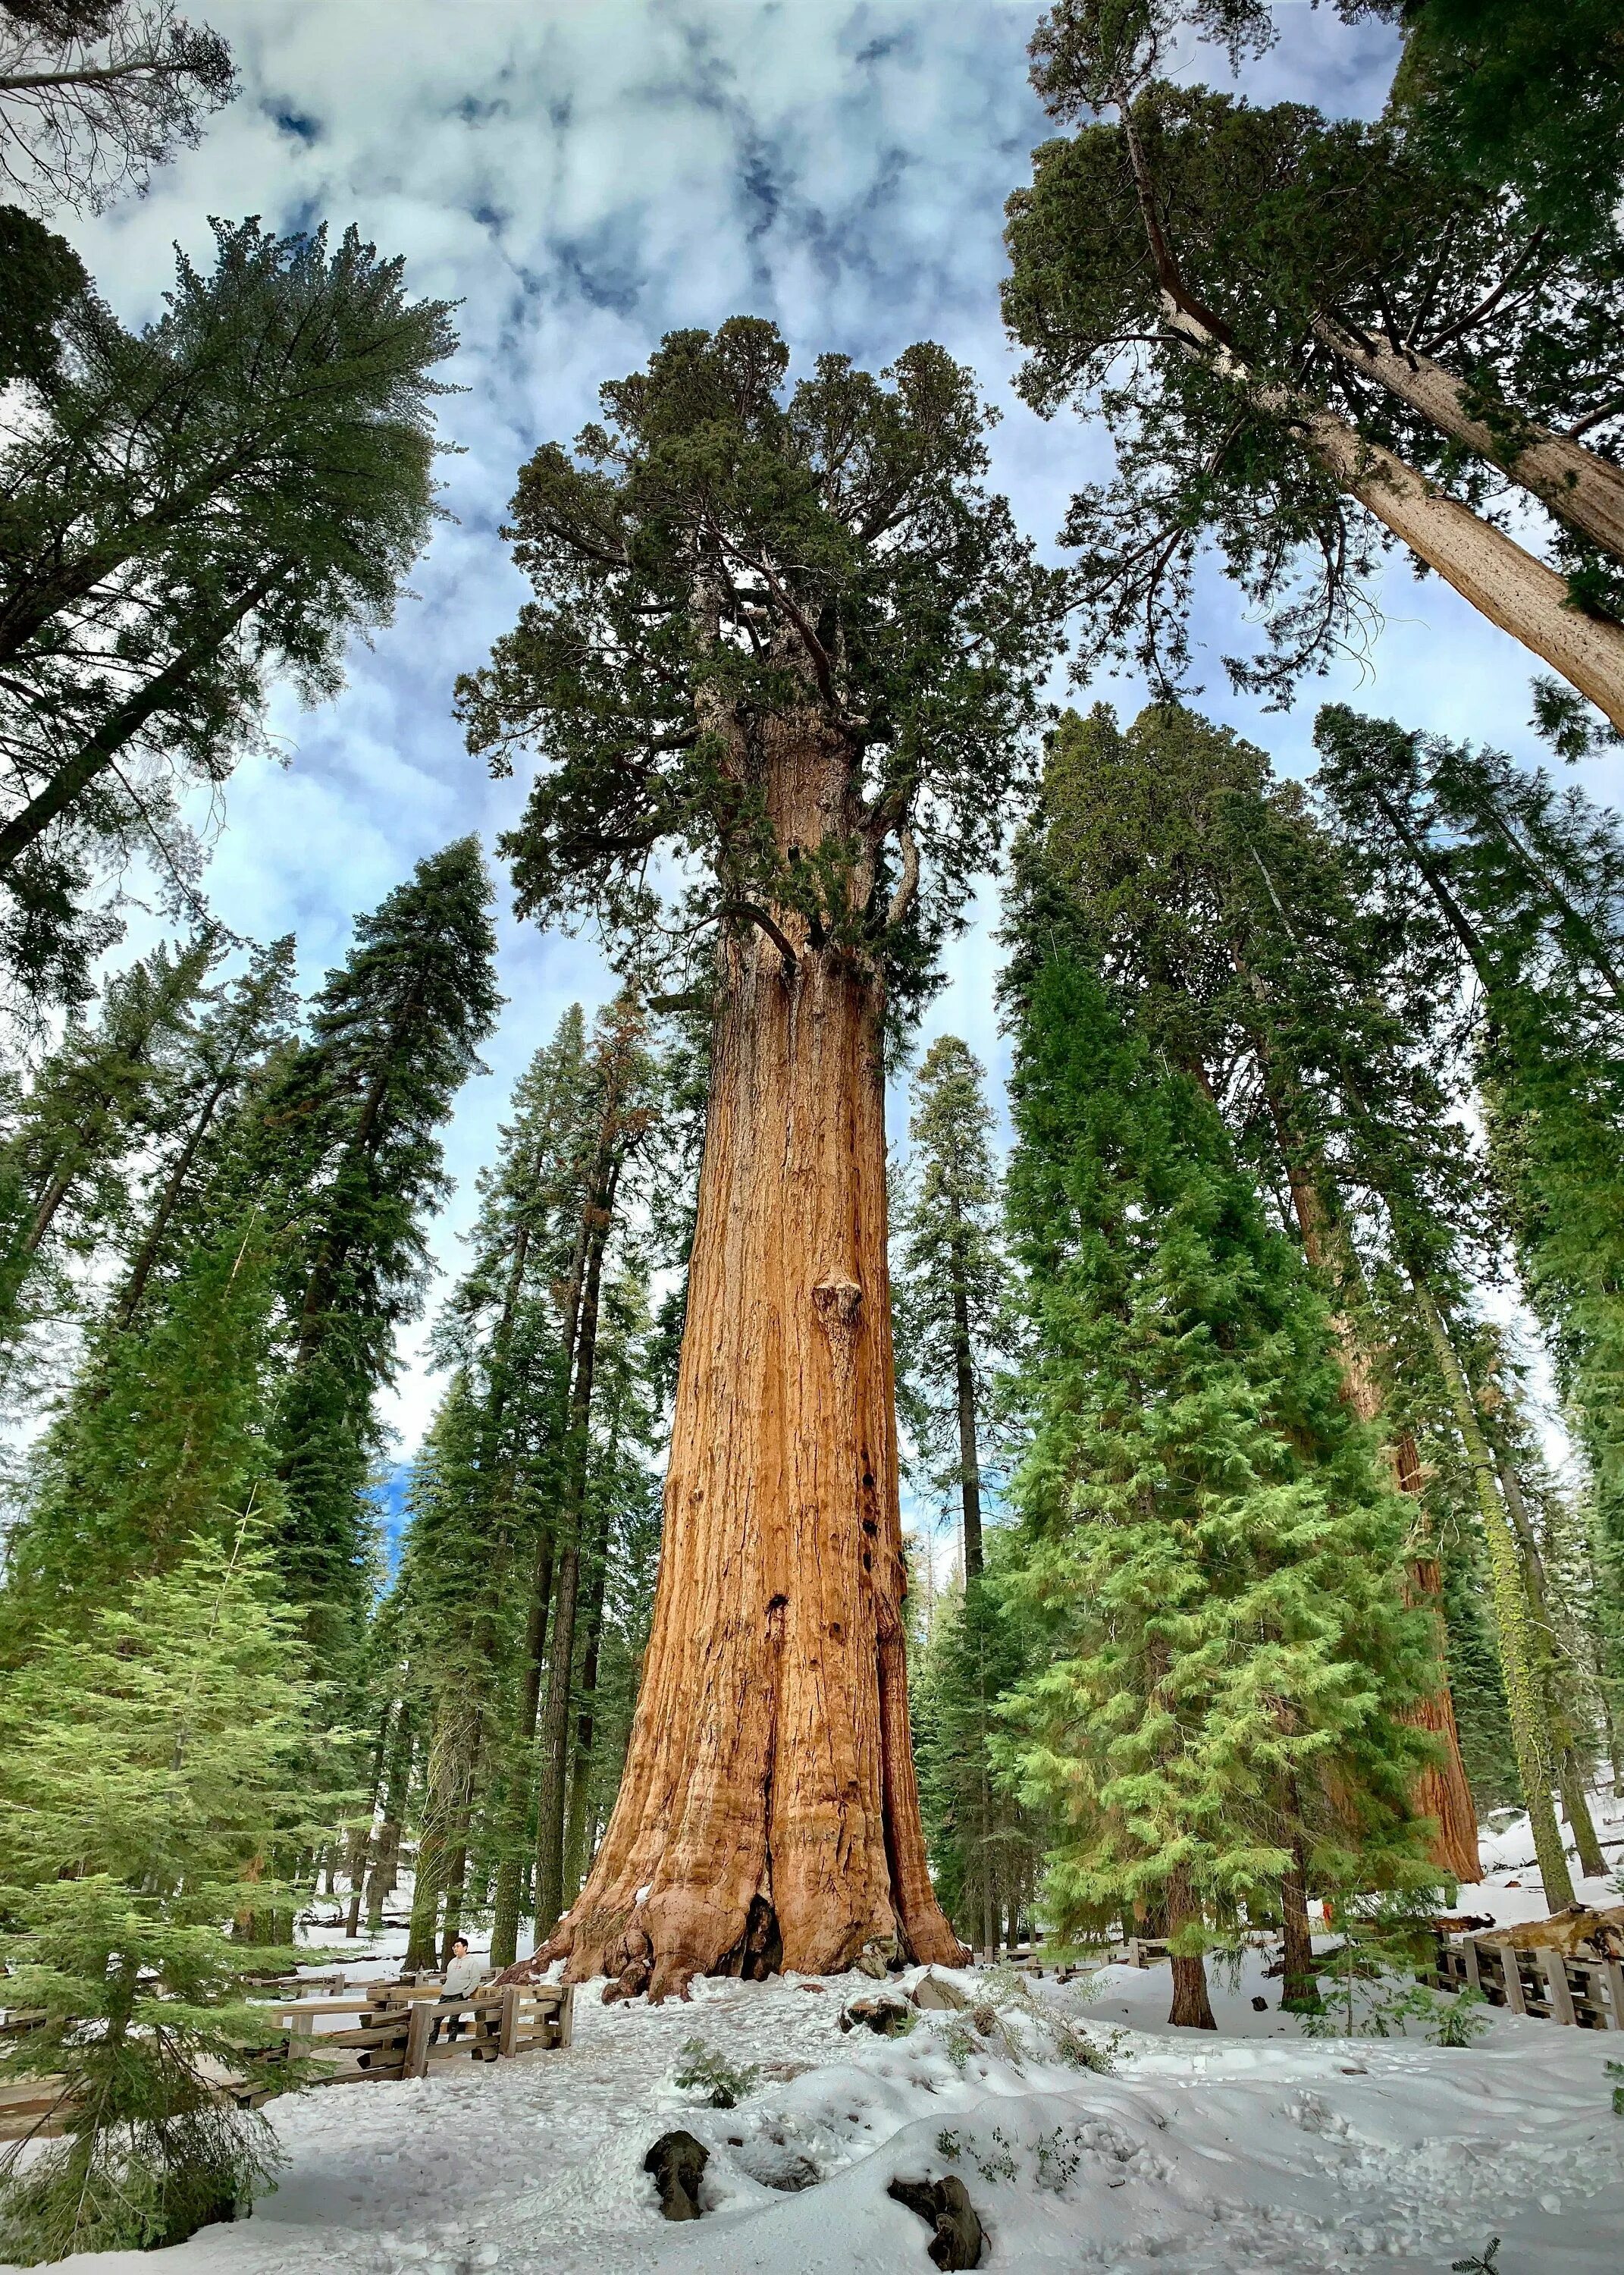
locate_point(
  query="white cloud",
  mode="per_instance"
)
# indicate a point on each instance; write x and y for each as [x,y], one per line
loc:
[583,179]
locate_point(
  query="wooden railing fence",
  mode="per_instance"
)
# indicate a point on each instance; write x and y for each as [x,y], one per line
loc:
[398,2030]
[1534,1979]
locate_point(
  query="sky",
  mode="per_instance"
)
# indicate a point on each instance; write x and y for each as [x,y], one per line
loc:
[583,176]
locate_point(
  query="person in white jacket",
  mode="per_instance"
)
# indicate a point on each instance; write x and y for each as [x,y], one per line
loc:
[462,1978]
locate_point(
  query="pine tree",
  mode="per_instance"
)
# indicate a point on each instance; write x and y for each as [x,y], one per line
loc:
[239,488]
[65,1184]
[1235,925]
[1205,1526]
[146,1760]
[350,1133]
[162,1441]
[946,1299]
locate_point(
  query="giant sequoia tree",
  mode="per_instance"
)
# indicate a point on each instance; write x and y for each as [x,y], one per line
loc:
[788,636]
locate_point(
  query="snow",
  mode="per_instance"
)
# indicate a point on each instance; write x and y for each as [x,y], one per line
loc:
[1252,2149]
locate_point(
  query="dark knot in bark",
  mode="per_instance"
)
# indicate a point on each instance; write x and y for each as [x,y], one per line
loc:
[837,1303]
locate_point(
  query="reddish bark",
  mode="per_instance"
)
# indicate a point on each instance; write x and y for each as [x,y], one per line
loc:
[768,1812]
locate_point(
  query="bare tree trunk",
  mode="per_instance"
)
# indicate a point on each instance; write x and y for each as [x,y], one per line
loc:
[1488,568]
[770,1762]
[1577,484]
[1300,1988]
[585,1719]
[1192,2008]
[381,1876]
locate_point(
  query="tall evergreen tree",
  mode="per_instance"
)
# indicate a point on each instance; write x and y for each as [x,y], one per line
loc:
[946,1299]
[146,1759]
[1257,305]
[64,1179]
[1205,1525]
[353,1128]
[234,491]
[788,633]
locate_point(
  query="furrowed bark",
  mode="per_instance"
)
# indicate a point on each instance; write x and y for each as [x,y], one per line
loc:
[1441,1791]
[1530,1736]
[1575,484]
[769,1788]
[1488,568]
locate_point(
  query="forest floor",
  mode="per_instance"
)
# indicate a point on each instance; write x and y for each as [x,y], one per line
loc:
[1254,2149]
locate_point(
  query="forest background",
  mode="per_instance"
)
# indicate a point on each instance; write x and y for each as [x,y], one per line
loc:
[584,180]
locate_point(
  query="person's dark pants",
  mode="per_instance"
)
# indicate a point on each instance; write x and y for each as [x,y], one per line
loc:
[454,2028]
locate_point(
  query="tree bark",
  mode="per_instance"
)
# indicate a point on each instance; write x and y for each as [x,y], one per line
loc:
[1529,1733]
[770,1762]
[1192,2006]
[1488,568]
[585,1720]
[1575,484]
[554,1729]
[1300,1988]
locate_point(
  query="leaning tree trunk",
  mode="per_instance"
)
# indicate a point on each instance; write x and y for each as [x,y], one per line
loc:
[1488,568]
[1519,1662]
[769,1781]
[1577,484]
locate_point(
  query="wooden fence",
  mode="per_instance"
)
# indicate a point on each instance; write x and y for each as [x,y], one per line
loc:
[1534,1979]
[397,2029]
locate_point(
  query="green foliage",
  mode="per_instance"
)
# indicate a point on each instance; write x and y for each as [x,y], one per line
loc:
[1205,1533]
[241,488]
[148,1760]
[702,2070]
[1616,2069]
[1207,276]
[162,1442]
[947,1283]
[350,1133]
[716,552]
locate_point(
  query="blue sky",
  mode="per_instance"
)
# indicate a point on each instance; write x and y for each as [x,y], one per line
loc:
[585,175]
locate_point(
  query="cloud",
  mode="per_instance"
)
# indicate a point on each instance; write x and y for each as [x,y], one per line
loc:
[583,179]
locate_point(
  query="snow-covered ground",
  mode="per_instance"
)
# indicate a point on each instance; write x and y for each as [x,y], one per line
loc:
[1257,2149]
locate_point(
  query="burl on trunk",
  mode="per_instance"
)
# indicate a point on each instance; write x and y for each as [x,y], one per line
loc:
[768,1815]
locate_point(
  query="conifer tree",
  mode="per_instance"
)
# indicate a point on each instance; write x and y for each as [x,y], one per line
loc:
[146,1760]
[1205,1525]
[946,1299]
[1524,885]
[162,1441]
[788,633]
[63,1181]
[352,1131]
[1257,304]
[1230,921]
[238,489]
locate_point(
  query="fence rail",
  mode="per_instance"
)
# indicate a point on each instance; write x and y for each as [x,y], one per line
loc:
[398,2030]
[1534,1979]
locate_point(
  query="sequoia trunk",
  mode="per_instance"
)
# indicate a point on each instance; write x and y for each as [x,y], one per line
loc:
[1577,484]
[769,1783]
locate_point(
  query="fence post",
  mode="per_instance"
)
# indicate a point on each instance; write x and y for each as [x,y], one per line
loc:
[566,2014]
[418,2030]
[1469,1953]
[1561,1990]
[1511,1965]
[1614,1972]
[507,2043]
